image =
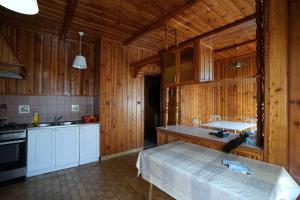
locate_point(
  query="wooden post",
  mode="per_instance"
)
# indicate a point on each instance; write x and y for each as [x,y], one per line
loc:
[166,107]
[260,71]
[150,191]
[177,106]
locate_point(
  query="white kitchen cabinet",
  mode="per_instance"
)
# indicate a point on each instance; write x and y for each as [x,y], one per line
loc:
[41,151]
[61,147]
[89,143]
[67,147]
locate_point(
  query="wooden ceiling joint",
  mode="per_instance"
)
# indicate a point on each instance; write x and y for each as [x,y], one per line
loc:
[162,20]
[69,13]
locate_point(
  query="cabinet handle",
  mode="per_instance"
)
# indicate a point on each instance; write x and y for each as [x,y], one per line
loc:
[175,77]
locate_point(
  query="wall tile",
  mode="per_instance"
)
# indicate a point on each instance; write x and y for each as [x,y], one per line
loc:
[60,100]
[48,107]
[60,109]
[51,109]
[33,100]
[43,100]
[2,99]
[24,100]
[67,100]
[51,100]
[13,100]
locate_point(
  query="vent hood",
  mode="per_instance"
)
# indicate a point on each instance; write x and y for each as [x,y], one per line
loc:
[8,70]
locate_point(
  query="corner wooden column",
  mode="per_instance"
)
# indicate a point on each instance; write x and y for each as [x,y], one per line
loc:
[294,90]
[276,82]
[166,107]
[177,106]
[260,71]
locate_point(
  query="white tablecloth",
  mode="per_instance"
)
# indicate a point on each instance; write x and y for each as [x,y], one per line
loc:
[228,125]
[187,171]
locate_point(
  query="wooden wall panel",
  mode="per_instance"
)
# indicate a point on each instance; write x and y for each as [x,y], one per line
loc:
[121,98]
[276,109]
[48,62]
[234,101]
[294,90]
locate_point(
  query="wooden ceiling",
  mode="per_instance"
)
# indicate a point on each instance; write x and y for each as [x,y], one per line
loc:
[122,19]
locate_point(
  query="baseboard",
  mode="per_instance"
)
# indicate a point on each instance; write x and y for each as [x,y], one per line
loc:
[111,156]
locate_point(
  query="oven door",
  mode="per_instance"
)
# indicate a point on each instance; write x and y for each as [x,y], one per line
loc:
[12,154]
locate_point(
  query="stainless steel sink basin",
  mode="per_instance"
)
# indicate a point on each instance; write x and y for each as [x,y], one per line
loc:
[64,123]
[44,125]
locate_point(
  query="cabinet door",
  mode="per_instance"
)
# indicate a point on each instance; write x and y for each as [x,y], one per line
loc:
[89,143]
[206,63]
[41,151]
[67,147]
[170,75]
[187,64]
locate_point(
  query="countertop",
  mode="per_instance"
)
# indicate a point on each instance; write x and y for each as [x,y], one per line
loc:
[202,133]
[31,127]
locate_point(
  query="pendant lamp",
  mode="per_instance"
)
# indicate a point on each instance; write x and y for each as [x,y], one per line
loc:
[79,61]
[28,7]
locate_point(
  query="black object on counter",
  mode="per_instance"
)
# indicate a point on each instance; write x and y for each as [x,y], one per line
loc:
[228,147]
[220,134]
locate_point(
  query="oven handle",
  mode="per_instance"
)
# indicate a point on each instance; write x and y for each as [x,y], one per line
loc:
[12,142]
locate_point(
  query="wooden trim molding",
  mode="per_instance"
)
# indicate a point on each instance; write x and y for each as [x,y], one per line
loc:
[116,155]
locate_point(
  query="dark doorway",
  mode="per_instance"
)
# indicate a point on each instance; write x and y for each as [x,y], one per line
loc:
[152,110]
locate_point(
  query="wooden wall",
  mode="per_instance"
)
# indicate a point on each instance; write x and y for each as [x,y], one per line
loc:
[276,83]
[121,98]
[48,62]
[233,100]
[294,87]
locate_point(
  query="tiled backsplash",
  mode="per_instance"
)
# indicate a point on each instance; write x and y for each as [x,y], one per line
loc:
[48,107]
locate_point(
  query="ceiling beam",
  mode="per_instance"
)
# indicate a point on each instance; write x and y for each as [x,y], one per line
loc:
[235,46]
[218,30]
[69,13]
[161,21]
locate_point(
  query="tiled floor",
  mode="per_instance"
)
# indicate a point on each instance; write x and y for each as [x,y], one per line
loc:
[112,179]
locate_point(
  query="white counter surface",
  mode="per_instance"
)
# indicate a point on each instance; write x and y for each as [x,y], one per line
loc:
[202,133]
[60,126]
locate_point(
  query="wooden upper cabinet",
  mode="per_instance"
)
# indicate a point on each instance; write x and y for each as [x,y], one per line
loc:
[170,68]
[205,62]
[188,64]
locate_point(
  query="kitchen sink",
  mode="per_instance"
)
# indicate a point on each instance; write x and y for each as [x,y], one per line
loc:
[44,125]
[64,123]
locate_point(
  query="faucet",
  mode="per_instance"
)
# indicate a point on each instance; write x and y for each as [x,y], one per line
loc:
[57,118]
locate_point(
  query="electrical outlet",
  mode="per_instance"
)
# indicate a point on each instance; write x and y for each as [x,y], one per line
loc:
[75,108]
[23,109]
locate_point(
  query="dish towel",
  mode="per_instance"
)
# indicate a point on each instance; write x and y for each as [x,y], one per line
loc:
[236,166]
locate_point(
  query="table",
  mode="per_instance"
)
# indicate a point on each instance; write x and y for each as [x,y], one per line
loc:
[229,125]
[187,171]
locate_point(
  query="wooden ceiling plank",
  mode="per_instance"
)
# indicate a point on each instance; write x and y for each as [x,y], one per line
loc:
[221,29]
[70,9]
[235,45]
[162,20]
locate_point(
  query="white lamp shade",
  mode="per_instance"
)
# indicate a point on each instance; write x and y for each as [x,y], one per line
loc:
[79,62]
[28,7]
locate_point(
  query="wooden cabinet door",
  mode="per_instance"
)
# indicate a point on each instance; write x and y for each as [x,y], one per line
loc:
[67,147]
[170,68]
[205,62]
[89,143]
[41,151]
[187,64]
